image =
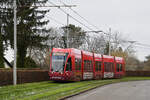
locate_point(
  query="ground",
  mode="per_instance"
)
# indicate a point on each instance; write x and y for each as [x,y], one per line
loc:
[50,90]
[137,90]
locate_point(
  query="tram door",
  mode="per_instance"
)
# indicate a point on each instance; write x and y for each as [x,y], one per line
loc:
[108,70]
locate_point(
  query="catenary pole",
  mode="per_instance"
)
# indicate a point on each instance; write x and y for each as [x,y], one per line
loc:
[15,45]
[67,30]
[109,52]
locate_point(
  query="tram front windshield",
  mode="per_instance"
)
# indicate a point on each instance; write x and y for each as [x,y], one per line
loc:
[58,61]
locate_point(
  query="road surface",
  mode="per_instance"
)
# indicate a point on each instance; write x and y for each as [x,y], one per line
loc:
[137,90]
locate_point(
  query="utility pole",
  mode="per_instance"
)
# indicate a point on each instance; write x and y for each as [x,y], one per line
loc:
[109,52]
[15,45]
[67,30]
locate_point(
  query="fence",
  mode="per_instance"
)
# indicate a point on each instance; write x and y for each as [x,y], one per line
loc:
[138,73]
[23,76]
[37,75]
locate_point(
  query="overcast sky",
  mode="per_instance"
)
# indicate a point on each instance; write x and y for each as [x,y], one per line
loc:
[130,17]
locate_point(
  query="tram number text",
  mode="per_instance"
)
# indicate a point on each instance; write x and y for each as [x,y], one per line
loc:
[108,74]
[87,75]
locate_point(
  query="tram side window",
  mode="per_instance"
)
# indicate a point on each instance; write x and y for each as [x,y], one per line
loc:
[105,64]
[108,66]
[85,65]
[91,66]
[88,65]
[98,66]
[120,67]
[69,65]
[112,66]
[117,67]
[77,64]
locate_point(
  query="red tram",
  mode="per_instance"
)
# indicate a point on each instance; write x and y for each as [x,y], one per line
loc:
[75,65]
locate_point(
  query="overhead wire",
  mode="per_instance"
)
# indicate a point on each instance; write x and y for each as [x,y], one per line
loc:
[80,16]
[147,45]
[54,5]
[141,47]
[58,22]
[144,46]
[71,16]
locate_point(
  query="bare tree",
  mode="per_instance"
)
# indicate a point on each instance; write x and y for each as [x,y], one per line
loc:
[94,44]
[119,43]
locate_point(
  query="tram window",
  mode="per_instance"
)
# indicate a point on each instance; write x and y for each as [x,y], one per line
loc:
[69,65]
[77,64]
[112,66]
[117,67]
[120,67]
[88,65]
[85,65]
[98,66]
[106,66]
[91,66]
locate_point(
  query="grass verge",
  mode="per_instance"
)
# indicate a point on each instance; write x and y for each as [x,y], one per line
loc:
[53,91]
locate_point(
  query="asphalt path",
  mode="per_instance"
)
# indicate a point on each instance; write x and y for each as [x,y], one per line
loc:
[136,90]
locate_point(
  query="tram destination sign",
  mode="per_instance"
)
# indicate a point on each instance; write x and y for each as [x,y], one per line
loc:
[59,53]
